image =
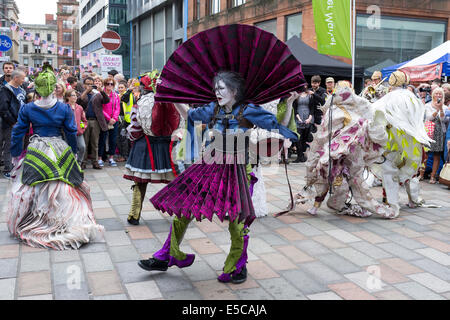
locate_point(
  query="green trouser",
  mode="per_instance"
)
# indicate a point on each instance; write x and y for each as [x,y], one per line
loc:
[238,235]
[237,231]
[139,190]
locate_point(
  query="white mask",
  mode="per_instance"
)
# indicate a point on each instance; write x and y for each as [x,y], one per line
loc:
[225,96]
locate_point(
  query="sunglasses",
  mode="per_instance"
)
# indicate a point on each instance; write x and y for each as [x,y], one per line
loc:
[110,84]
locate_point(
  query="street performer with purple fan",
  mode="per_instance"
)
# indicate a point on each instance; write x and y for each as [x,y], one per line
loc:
[219,182]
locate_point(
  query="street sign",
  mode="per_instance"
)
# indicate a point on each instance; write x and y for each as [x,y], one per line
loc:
[111,40]
[5,43]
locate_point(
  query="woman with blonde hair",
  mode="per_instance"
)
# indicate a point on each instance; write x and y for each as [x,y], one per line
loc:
[60,90]
[434,112]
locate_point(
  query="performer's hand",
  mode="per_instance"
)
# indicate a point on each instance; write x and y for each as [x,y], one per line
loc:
[177,134]
[448,145]
[15,161]
[308,121]
[287,143]
[293,96]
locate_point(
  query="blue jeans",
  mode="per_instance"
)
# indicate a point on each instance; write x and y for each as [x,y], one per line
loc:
[112,141]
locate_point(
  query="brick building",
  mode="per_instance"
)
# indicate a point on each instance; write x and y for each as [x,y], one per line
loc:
[408,28]
[68,30]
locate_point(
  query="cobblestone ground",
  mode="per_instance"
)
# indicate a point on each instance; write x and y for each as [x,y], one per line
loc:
[295,256]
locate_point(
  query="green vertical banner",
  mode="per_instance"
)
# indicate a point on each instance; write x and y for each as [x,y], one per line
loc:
[332,22]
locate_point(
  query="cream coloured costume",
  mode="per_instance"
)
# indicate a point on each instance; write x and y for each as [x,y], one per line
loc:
[354,146]
[401,113]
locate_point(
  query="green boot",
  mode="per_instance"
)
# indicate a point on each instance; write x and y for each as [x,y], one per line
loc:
[139,190]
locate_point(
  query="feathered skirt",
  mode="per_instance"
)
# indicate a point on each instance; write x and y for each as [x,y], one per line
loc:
[218,185]
[52,213]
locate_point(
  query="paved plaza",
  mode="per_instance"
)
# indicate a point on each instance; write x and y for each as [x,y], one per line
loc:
[295,256]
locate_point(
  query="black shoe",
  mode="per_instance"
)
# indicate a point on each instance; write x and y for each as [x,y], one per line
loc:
[241,277]
[133,221]
[154,264]
[301,158]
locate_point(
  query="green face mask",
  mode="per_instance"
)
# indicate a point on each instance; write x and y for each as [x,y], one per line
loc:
[45,82]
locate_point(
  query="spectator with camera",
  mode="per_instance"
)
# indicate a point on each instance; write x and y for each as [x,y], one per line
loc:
[435,123]
[424,92]
[92,101]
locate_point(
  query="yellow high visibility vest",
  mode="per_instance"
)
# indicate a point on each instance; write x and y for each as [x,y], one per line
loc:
[127,109]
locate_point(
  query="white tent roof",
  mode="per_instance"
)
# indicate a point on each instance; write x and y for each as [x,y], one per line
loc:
[431,56]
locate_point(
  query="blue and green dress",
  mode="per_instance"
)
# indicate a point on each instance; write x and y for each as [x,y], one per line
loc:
[50,204]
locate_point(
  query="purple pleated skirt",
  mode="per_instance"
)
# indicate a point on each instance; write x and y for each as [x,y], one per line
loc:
[207,188]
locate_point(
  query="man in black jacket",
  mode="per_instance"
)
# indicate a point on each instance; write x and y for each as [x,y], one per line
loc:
[92,102]
[12,97]
[315,85]
[8,68]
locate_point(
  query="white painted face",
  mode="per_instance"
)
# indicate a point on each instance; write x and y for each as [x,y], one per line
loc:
[225,96]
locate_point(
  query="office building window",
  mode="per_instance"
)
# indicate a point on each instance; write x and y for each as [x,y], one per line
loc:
[25,61]
[93,46]
[214,6]
[397,40]
[25,48]
[158,40]
[268,25]
[67,24]
[236,3]
[67,9]
[145,46]
[49,37]
[37,63]
[168,32]
[178,14]
[294,26]
[37,49]
[196,9]
[67,36]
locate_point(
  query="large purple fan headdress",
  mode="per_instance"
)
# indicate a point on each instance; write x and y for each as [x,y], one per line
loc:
[265,62]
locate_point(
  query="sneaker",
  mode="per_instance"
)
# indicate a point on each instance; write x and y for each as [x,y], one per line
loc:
[96,166]
[112,163]
[7,175]
[101,163]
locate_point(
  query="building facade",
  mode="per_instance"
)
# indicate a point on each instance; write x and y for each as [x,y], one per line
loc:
[98,16]
[34,56]
[156,31]
[9,13]
[404,30]
[68,30]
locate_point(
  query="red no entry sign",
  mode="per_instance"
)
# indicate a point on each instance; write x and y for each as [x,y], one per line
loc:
[111,40]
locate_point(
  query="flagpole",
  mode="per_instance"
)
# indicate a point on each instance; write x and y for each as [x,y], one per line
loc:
[353,41]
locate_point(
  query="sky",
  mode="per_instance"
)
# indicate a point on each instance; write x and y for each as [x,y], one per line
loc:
[33,11]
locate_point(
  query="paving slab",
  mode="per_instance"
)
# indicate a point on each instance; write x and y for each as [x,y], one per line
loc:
[295,256]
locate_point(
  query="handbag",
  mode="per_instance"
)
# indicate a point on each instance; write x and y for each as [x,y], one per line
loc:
[444,176]
[429,128]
